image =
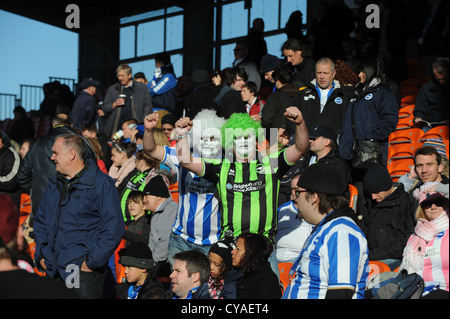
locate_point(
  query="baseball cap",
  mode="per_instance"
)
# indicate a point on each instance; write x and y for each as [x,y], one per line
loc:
[324,131]
[88,82]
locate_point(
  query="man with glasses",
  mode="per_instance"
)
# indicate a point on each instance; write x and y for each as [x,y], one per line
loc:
[333,262]
[125,99]
[242,60]
[292,231]
[248,181]
[197,223]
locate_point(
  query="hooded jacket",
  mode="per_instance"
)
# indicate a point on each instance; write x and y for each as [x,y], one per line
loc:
[78,221]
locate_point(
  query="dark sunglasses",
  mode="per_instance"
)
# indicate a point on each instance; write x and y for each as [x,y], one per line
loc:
[440,202]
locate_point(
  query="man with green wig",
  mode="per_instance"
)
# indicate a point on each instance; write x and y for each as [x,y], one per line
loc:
[248,181]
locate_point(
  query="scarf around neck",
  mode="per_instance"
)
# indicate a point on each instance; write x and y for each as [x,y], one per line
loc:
[425,231]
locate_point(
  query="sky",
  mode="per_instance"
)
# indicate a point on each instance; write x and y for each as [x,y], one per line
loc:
[33,51]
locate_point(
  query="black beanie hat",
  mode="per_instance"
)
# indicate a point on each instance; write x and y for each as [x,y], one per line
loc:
[377,179]
[156,187]
[322,178]
[223,248]
[138,255]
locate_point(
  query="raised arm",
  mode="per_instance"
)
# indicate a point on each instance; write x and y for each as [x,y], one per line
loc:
[152,149]
[194,164]
[296,151]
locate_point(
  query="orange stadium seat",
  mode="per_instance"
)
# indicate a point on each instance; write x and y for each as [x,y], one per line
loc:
[405,123]
[408,99]
[411,135]
[377,267]
[285,278]
[353,196]
[399,167]
[403,150]
[406,111]
[440,131]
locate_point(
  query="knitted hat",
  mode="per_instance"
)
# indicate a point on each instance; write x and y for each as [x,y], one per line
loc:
[156,187]
[9,218]
[377,179]
[269,62]
[223,248]
[138,255]
[324,179]
[438,144]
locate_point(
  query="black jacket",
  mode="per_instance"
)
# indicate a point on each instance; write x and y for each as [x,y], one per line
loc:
[387,224]
[333,114]
[256,285]
[229,101]
[150,284]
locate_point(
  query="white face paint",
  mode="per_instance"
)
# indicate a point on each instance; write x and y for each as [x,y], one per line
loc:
[209,146]
[245,145]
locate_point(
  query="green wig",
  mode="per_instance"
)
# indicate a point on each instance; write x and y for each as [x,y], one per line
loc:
[238,124]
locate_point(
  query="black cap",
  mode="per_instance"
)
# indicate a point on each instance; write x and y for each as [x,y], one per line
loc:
[139,75]
[324,131]
[377,179]
[88,82]
[269,62]
[322,178]
[156,187]
[138,255]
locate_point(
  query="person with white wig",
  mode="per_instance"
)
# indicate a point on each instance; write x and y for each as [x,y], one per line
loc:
[197,223]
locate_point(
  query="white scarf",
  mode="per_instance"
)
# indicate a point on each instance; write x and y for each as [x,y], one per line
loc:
[425,231]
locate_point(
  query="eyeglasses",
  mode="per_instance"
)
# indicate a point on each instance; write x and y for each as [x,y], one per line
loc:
[440,202]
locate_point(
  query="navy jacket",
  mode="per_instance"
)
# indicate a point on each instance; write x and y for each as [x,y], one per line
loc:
[87,225]
[83,110]
[375,117]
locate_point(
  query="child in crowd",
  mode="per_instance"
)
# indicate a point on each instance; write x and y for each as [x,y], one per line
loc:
[141,281]
[220,262]
[138,229]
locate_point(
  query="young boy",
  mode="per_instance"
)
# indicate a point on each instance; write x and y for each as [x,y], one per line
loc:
[141,281]
[249,95]
[138,229]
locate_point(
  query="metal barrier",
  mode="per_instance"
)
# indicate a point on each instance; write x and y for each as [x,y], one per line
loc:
[7,104]
[69,82]
[31,96]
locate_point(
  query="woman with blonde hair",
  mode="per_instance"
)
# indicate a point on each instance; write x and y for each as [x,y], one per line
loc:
[427,250]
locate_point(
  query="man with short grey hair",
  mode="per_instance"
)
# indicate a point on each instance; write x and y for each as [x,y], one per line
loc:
[323,102]
[79,223]
[125,99]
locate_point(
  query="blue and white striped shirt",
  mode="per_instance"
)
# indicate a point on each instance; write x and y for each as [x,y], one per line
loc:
[334,256]
[198,215]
